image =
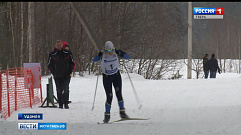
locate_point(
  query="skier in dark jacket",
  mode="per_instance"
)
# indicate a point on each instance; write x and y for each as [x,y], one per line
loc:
[205,66]
[213,66]
[60,64]
[111,75]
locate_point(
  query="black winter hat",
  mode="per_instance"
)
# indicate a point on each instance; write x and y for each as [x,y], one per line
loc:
[213,55]
[66,45]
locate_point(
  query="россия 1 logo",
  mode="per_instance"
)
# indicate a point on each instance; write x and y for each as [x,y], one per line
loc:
[207,13]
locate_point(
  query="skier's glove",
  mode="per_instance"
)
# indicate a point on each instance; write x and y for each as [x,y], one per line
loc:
[97,57]
[100,54]
[126,56]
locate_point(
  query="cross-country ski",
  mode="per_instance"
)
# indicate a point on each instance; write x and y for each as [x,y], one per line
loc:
[121,120]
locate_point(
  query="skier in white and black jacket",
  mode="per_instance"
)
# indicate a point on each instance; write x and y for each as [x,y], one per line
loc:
[111,75]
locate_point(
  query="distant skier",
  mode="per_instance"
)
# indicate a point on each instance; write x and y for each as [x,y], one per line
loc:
[60,64]
[205,66]
[111,75]
[213,66]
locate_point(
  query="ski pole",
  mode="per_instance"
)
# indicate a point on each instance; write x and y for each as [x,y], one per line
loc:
[133,88]
[95,93]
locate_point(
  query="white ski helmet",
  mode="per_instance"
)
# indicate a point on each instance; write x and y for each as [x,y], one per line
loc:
[109,45]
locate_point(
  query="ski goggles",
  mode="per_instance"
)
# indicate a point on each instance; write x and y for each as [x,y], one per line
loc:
[110,50]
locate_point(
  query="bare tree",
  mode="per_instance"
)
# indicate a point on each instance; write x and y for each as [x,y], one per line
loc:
[12,31]
[189,72]
[31,35]
[21,43]
[152,33]
[239,48]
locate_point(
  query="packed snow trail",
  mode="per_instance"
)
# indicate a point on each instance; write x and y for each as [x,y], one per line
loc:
[184,107]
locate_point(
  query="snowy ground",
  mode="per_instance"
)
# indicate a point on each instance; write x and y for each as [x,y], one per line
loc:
[174,107]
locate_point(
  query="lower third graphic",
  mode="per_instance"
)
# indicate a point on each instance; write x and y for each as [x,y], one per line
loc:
[42,126]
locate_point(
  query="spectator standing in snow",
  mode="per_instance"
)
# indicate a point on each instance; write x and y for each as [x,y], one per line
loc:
[205,66]
[61,64]
[67,48]
[111,75]
[213,66]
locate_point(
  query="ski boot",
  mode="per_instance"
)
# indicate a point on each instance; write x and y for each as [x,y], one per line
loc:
[123,115]
[107,118]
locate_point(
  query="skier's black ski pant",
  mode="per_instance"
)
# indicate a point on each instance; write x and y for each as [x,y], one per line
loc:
[114,79]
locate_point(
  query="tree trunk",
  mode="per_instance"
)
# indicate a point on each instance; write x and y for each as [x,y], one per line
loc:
[31,53]
[189,71]
[13,37]
[70,26]
[29,34]
[118,31]
[21,43]
[238,50]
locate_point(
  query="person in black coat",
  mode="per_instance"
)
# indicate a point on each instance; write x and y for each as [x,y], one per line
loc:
[213,66]
[61,64]
[205,66]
